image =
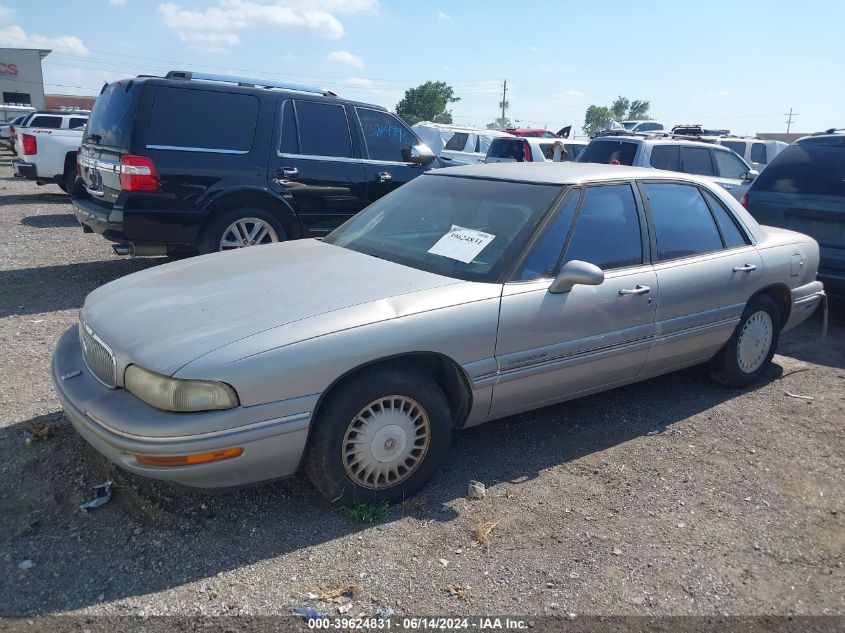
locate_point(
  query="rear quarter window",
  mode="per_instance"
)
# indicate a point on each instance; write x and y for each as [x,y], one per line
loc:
[458,142]
[184,118]
[808,168]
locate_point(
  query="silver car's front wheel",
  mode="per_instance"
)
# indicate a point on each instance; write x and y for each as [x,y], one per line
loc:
[386,442]
[380,435]
[245,232]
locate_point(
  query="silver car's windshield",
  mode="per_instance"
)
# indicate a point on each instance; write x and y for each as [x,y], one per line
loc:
[467,228]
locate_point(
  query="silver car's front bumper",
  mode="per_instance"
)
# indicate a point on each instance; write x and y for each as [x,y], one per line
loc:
[272,435]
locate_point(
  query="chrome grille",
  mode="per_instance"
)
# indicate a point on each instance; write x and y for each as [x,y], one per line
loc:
[98,356]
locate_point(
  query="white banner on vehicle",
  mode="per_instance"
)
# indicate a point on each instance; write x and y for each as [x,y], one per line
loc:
[461,244]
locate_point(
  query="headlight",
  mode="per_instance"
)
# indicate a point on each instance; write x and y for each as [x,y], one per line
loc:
[173,394]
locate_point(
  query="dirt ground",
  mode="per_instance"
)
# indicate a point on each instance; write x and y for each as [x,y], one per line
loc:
[672,496]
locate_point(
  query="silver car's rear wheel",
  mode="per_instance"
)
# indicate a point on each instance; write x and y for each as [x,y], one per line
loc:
[748,352]
[754,342]
[385,442]
[245,232]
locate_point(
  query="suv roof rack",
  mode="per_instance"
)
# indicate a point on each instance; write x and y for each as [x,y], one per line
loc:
[834,130]
[245,81]
[657,134]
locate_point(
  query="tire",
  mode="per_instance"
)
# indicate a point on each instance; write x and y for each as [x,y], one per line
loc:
[220,226]
[386,394]
[68,179]
[745,358]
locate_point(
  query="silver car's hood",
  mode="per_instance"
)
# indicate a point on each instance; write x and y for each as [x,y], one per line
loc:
[169,315]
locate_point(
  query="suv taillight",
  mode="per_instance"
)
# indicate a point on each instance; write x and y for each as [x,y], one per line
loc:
[744,201]
[526,151]
[30,144]
[78,168]
[138,173]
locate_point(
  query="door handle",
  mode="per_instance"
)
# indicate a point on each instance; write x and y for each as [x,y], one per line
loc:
[288,172]
[638,290]
[383,176]
[745,269]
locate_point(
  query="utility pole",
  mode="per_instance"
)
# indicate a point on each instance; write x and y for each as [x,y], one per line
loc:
[790,114]
[504,102]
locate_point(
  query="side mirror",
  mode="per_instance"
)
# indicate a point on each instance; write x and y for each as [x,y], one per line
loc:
[419,154]
[751,175]
[576,272]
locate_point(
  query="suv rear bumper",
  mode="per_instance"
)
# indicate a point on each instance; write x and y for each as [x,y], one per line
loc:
[166,227]
[23,169]
[106,222]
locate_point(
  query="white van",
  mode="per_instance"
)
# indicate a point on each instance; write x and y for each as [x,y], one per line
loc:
[754,151]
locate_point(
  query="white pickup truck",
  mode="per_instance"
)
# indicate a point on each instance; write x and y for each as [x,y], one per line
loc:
[47,155]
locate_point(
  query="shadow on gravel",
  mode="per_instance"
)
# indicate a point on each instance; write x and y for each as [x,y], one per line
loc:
[42,197]
[52,288]
[805,342]
[153,536]
[51,221]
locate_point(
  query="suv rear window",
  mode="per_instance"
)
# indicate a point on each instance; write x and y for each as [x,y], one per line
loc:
[606,152]
[184,118]
[509,148]
[813,168]
[113,115]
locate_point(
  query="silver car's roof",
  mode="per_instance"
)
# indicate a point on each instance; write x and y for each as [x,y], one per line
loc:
[568,173]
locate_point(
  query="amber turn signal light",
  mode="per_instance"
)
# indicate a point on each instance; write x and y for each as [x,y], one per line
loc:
[189,460]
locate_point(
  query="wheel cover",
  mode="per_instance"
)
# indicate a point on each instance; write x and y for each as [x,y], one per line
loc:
[245,232]
[386,442]
[755,340]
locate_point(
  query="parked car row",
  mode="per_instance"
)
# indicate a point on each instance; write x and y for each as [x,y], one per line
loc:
[46,144]
[448,297]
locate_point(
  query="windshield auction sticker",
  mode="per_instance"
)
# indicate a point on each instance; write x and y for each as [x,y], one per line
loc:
[461,244]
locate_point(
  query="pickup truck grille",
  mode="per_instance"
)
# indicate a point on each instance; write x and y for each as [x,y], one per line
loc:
[98,357]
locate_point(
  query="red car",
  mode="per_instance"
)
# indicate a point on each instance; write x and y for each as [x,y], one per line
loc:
[531,131]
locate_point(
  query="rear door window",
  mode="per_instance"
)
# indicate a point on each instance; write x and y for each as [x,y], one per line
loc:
[289,143]
[385,137]
[77,122]
[758,153]
[696,160]
[609,152]
[51,122]
[732,235]
[729,165]
[323,129]
[683,224]
[811,168]
[665,157]
[202,120]
[607,229]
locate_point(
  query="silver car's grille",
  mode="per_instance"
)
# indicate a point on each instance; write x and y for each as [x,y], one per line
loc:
[98,357]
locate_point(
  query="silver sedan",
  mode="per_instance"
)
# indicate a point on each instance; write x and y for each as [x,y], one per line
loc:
[467,295]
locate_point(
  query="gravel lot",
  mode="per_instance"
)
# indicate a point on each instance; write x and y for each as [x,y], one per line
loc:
[673,496]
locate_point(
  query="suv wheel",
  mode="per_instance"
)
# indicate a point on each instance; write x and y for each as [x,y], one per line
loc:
[381,437]
[749,351]
[241,228]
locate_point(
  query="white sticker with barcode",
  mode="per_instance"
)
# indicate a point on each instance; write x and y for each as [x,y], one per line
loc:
[461,244]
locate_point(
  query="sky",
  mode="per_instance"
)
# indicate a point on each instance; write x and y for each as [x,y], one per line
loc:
[724,64]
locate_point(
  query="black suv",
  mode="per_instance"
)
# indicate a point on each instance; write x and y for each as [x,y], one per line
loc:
[803,189]
[194,162]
